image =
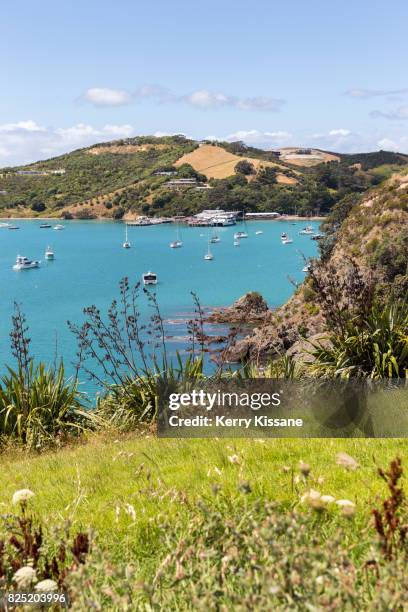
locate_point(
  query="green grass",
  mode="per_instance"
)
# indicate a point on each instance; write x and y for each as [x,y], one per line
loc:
[88,484]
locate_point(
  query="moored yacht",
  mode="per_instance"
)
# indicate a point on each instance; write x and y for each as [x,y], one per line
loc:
[286,240]
[45,225]
[308,230]
[177,243]
[259,232]
[58,227]
[239,235]
[208,256]
[126,244]
[23,263]
[215,238]
[149,278]
[49,253]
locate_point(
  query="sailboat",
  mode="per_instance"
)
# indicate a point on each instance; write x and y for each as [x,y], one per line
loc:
[126,244]
[177,243]
[208,256]
[215,238]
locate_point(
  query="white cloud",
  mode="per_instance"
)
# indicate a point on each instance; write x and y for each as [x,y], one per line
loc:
[201,98]
[25,141]
[22,126]
[258,137]
[340,132]
[374,93]
[400,114]
[104,96]
[398,144]
[207,99]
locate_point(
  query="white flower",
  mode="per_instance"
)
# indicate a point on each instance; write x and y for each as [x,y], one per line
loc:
[304,468]
[24,577]
[234,459]
[315,500]
[46,585]
[348,508]
[345,502]
[327,499]
[21,496]
[130,510]
[348,462]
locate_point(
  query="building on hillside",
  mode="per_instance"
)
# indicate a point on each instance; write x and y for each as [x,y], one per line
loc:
[181,183]
[262,215]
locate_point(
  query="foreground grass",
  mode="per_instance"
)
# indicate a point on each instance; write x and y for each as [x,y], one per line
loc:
[121,488]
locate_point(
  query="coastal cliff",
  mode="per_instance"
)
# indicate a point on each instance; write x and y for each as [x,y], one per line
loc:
[370,245]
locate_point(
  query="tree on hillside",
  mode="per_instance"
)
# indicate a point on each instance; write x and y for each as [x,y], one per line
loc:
[267,176]
[245,167]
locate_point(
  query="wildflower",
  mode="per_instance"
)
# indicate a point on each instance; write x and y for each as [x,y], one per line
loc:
[315,500]
[179,571]
[22,496]
[130,510]
[234,459]
[327,499]
[46,585]
[24,577]
[346,461]
[304,468]
[348,508]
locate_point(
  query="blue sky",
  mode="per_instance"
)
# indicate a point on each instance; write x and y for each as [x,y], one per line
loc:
[317,73]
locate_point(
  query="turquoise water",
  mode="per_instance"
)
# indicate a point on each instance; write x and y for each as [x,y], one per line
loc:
[90,261]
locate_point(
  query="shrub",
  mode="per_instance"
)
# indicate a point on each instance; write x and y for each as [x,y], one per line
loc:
[38,406]
[245,167]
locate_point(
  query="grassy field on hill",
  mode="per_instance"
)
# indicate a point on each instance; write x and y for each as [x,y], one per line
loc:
[119,178]
[143,495]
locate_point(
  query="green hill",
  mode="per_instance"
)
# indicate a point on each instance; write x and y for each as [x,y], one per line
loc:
[130,177]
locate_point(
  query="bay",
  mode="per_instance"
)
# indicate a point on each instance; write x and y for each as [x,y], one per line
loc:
[90,261]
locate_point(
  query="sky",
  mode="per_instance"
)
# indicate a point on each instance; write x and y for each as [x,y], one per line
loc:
[331,75]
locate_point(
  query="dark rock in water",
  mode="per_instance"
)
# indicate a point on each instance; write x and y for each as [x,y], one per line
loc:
[248,309]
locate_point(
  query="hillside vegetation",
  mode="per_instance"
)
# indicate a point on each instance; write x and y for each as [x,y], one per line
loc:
[365,249]
[130,178]
[216,162]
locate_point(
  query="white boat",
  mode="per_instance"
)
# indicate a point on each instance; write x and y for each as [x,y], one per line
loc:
[149,278]
[307,268]
[215,239]
[259,232]
[287,240]
[208,256]
[239,235]
[126,244]
[49,253]
[4,224]
[23,263]
[58,227]
[177,243]
[307,231]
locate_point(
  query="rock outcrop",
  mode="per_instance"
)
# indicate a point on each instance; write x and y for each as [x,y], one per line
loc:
[374,236]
